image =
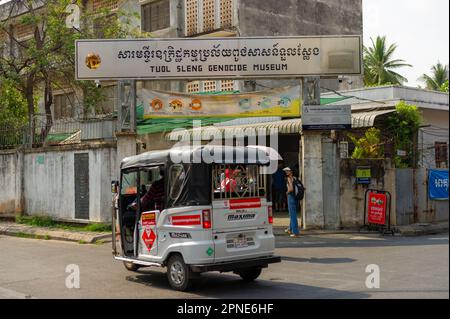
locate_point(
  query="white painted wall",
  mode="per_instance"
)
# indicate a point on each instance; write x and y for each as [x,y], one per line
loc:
[8,166]
[49,187]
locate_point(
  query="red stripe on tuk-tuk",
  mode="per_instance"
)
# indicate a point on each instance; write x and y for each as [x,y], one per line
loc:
[245,203]
[186,220]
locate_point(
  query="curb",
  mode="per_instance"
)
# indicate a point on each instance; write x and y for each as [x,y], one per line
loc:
[424,230]
[51,234]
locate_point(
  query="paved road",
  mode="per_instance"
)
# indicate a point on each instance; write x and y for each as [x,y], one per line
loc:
[325,266]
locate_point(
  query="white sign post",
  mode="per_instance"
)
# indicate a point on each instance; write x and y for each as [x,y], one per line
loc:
[216,58]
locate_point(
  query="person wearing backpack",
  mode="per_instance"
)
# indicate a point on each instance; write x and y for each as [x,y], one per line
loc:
[295,192]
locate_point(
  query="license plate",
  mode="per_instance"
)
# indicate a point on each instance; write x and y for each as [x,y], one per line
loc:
[240,242]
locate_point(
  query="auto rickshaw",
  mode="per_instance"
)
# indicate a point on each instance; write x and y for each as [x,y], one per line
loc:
[194,210]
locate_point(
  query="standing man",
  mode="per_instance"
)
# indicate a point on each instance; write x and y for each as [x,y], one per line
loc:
[292,200]
[279,189]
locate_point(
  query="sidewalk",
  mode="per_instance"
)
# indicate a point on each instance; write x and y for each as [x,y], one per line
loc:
[422,229]
[281,222]
[26,231]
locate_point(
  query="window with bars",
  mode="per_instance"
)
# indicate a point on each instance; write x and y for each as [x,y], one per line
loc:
[214,14]
[226,13]
[155,16]
[64,106]
[193,87]
[209,86]
[440,151]
[209,21]
[227,85]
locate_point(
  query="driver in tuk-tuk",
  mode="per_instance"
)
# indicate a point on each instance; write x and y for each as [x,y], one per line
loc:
[154,198]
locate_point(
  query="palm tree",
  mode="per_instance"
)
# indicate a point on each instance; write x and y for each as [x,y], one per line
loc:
[439,74]
[379,66]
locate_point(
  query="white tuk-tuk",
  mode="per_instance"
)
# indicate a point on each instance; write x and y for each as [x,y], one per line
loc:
[195,210]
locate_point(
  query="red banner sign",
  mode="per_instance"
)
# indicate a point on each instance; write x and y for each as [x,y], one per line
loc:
[148,221]
[377,208]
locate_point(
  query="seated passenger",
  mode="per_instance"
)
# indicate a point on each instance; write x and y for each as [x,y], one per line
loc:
[154,198]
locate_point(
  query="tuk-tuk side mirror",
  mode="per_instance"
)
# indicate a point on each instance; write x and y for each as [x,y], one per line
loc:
[114,187]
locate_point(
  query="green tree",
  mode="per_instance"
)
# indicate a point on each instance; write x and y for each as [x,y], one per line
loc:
[13,114]
[46,61]
[402,129]
[367,146]
[444,87]
[438,77]
[379,64]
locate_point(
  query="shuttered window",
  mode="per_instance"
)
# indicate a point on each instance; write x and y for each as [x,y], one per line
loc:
[440,151]
[155,16]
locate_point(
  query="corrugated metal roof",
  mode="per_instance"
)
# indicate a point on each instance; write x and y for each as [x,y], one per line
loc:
[291,126]
[367,119]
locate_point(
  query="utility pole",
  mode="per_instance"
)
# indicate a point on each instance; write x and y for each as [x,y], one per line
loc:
[311,161]
[126,120]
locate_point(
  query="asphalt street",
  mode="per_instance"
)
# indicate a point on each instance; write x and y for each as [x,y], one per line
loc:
[314,266]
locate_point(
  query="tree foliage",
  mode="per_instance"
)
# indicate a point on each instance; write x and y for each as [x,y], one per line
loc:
[45,62]
[367,146]
[444,87]
[380,66]
[403,126]
[438,77]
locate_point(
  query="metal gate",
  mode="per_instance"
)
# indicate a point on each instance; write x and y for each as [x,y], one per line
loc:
[81,177]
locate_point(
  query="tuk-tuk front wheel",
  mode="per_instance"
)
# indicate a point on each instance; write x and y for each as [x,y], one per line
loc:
[130,266]
[178,273]
[249,274]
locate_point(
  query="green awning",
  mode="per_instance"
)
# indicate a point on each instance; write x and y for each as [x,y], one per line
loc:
[154,125]
[58,137]
[329,100]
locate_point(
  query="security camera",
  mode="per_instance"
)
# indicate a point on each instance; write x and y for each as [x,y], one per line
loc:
[341,78]
[98,84]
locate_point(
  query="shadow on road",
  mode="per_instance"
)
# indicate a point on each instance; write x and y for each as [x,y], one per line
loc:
[215,285]
[316,241]
[319,260]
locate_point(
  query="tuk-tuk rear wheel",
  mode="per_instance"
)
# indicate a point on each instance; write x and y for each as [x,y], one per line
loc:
[130,266]
[179,274]
[249,274]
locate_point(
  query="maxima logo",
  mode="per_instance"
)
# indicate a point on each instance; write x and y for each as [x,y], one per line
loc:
[237,217]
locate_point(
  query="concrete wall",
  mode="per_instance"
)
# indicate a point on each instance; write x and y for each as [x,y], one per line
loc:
[412,201]
[10,182]
[408,188]
[49,182]
[300,18]
[435,130]
[351,204]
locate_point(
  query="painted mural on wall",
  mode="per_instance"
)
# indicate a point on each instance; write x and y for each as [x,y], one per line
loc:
[284,102]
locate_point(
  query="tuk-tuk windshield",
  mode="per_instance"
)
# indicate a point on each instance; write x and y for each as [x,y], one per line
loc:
[238,181]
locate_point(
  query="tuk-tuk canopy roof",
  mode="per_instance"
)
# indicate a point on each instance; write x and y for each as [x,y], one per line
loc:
[218,154]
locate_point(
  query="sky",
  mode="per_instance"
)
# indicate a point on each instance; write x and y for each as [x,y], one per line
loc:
[420,28]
